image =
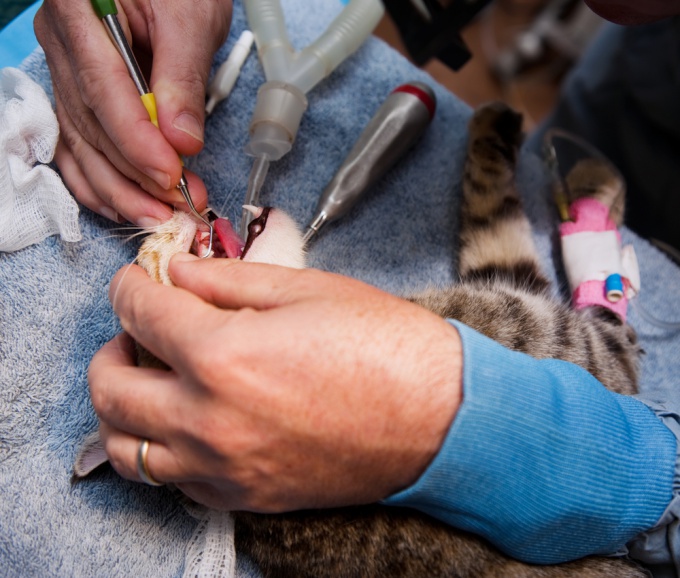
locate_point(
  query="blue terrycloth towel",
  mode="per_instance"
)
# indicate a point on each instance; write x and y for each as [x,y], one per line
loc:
[55,314]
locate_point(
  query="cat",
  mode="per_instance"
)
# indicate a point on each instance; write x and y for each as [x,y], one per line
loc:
[501,293]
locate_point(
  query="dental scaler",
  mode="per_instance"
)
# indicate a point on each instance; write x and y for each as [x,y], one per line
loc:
[396,126]
[290,75]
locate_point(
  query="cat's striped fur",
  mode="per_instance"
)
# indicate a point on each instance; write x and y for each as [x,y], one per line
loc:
[502,291]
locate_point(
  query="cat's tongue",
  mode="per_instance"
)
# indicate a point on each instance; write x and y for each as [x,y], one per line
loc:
[228,238]
[226,242]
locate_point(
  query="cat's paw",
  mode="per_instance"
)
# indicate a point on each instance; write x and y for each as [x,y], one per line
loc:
[497,120]
[598,179]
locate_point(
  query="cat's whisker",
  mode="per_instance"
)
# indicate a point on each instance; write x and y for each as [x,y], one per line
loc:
[115,236]
[231,201]
[115,295]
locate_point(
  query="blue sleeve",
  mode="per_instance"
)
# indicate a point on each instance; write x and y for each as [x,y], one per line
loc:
[543,461]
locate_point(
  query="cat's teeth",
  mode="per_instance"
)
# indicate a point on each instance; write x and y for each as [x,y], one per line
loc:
[201,244]
[255,211]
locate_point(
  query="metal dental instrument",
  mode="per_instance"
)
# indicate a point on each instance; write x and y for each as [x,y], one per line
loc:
[290,75]
[396,126]
[107,11]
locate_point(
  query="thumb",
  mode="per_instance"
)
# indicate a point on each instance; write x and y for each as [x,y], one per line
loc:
[184,43]
[233,284]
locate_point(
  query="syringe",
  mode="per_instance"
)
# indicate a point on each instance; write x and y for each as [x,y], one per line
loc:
[396,126]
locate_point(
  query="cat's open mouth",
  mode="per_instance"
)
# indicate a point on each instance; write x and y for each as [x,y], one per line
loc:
[226,241]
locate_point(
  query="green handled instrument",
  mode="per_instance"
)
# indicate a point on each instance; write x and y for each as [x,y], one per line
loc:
[107,11]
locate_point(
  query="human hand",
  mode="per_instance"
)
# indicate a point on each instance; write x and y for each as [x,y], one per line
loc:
[110,155]
[289,388]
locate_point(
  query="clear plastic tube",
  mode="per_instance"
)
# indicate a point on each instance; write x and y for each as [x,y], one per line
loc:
[649,318]
[266,20]
[305,69]
[281,101]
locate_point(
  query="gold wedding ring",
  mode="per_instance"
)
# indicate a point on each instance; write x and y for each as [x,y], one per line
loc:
[142,466]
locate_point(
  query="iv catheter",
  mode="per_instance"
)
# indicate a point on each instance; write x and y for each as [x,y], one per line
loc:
[107,11]
[281,100]
[395,127]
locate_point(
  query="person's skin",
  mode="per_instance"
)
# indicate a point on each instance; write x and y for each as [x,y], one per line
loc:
[634,12]
[111,157]
[289,388]
[297,389]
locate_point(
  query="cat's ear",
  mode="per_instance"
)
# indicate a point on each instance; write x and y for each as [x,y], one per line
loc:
[90,456]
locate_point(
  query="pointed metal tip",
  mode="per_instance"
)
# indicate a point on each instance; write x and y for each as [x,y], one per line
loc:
[184,189]
[314,225]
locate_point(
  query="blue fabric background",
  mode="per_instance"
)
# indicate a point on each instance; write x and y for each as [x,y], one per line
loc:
[17,39]
[54,311]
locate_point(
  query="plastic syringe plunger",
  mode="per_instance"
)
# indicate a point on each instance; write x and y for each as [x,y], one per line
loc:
[396,126]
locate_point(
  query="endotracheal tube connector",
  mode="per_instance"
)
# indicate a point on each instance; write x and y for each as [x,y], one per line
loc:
[290,75]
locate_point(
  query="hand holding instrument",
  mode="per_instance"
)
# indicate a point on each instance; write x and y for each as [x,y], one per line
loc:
[107,11]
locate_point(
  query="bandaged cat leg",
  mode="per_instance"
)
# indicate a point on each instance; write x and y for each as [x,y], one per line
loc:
[599,270]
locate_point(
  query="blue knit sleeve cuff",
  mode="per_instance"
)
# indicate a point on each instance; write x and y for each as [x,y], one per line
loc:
[543,461]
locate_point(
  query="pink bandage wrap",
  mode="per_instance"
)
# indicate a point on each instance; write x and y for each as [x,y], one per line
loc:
[591,246]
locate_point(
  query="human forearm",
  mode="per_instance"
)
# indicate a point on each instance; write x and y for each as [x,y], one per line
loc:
[545,462]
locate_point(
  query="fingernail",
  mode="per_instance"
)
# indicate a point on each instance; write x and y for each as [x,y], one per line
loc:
[185,257]
[148,222]
[109,213]
[162,178]
[189,124]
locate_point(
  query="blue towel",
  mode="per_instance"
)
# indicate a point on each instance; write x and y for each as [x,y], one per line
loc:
[55,314]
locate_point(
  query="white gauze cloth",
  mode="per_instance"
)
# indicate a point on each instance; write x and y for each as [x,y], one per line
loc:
[210,552]
[34,203]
